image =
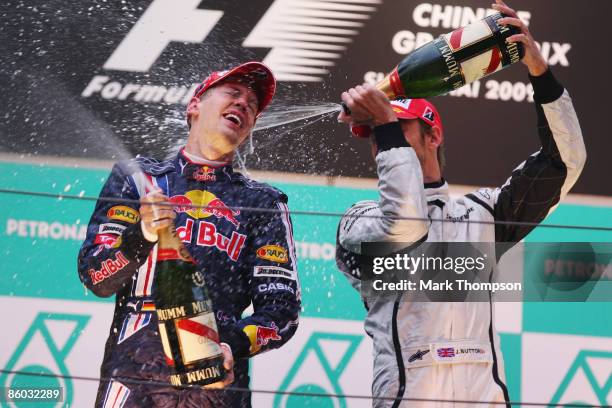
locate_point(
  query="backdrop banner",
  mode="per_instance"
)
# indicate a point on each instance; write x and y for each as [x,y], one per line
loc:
[109,78]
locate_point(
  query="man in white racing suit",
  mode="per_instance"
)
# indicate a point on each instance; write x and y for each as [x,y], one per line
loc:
[407,135]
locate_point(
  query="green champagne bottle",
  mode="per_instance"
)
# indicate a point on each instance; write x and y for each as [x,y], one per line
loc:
[454,60]
[185,314]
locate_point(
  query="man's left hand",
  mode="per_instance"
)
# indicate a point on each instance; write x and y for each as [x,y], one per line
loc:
[533,58]
[368,105]
[228,364]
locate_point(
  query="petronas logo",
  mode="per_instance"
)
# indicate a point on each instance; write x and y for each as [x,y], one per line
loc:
[43,350]
[317,370]
[588,381]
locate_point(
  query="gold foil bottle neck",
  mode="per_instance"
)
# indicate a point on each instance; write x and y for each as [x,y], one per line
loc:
[385,87]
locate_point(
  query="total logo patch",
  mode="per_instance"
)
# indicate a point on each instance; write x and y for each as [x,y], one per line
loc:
[123,213]
[273,253]
[201,204]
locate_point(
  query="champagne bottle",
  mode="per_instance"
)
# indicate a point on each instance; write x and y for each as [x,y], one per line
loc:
[454,60]
[185,314]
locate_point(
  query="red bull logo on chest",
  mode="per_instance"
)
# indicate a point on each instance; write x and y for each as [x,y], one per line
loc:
[205,234]
[201,204]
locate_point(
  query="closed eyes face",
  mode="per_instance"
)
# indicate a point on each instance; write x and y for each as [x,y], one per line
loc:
[226,114]
[240,103]
[236,91]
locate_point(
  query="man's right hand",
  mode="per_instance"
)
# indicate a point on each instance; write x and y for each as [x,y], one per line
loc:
[368,105]
[155,214]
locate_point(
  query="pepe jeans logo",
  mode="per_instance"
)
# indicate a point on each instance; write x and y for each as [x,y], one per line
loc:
[43,350]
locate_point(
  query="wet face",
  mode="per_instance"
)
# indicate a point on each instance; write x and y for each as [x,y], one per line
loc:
[225,115]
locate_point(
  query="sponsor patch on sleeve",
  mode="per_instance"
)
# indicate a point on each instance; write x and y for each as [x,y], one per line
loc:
[108,240]
[111,228]
[123,213]
[273,253]
[485,192]
[260,335]
[274,272]
[108,268]
[275,287]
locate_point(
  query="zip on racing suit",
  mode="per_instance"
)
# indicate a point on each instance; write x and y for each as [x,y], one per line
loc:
[406,335]
[246,257]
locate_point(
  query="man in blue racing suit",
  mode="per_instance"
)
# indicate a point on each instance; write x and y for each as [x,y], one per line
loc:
[246,257]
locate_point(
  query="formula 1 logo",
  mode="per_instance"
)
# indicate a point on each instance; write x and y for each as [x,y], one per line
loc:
[304,38]
[318,369]
[163,22]
[43,351]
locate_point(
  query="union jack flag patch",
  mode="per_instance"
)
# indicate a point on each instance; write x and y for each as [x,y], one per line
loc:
[446,352]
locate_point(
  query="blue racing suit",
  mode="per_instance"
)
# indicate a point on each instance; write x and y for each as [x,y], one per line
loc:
[247,257]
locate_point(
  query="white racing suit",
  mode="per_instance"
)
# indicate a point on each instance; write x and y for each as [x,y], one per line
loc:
[406,335]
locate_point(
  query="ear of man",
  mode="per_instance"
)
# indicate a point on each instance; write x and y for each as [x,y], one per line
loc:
[192,106]
[433,138]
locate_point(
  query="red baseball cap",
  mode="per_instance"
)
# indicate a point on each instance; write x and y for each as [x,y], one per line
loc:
[407,109]
[417,109]
[259,75]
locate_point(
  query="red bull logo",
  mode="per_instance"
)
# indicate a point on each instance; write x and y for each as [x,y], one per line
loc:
[265,334]
[205,234]
[205,173]
[260,335]
[200,204]
[108,268]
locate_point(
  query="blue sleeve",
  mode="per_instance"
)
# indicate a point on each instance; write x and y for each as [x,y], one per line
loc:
[274,286]
[114,248]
